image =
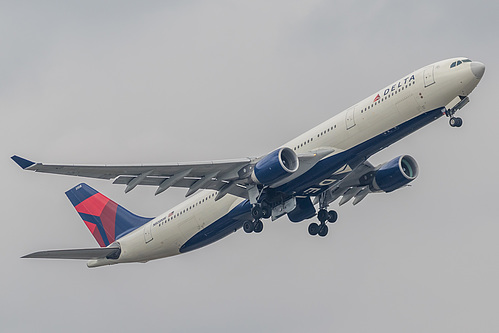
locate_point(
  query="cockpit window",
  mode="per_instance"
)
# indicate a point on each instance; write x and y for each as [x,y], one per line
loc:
[459,62]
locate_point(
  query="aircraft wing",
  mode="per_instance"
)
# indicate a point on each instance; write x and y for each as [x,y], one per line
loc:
[228,175]
[87,254]
[352,184]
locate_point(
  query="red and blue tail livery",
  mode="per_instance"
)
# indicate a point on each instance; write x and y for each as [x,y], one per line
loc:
[106,220]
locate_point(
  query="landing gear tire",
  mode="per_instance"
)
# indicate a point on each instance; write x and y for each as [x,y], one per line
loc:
[258,226]
[455,122]
[266,212]
[323,230]
[256,212]
[248,226]
[322,215]
[313,229]
[332,216]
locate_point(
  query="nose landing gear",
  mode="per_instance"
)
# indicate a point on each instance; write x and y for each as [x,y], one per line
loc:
[455,122]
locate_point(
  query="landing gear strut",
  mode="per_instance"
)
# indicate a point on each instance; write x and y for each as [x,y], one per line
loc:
[456,121]
[323,216]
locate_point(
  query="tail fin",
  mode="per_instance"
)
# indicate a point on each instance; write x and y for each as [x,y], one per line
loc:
[106,220]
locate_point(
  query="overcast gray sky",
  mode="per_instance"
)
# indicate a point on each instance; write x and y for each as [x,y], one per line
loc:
[150,82]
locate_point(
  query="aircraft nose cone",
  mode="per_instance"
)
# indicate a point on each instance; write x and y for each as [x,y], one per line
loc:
[478,69]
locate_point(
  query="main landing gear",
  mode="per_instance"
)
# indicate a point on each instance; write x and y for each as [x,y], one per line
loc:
[253,226]
[258,211]
[323,215]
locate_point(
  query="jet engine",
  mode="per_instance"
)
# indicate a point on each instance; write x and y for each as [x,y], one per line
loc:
[275,166]
[394,174]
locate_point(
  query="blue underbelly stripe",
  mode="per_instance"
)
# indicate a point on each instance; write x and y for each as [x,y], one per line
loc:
[222,227]
[324,168]
[234,219]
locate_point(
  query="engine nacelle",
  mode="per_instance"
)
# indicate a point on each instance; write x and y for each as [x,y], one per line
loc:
[275,166]
[394,174]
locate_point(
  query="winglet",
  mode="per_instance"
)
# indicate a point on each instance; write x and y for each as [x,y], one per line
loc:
[22,162]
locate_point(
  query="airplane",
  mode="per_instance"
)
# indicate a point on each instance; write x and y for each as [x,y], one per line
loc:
[314,169]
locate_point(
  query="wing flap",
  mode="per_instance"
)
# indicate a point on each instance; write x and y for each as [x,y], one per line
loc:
[86,254]
[237,190]
[350,184]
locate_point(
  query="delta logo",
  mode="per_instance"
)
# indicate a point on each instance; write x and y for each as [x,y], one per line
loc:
[396,86]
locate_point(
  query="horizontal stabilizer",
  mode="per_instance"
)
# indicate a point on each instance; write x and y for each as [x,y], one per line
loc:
[86,254]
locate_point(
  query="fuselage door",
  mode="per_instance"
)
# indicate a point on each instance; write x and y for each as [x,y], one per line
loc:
[349,118]
[148,232]
[428,76]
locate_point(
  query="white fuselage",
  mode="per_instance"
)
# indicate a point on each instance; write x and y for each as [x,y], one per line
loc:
[428,89]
